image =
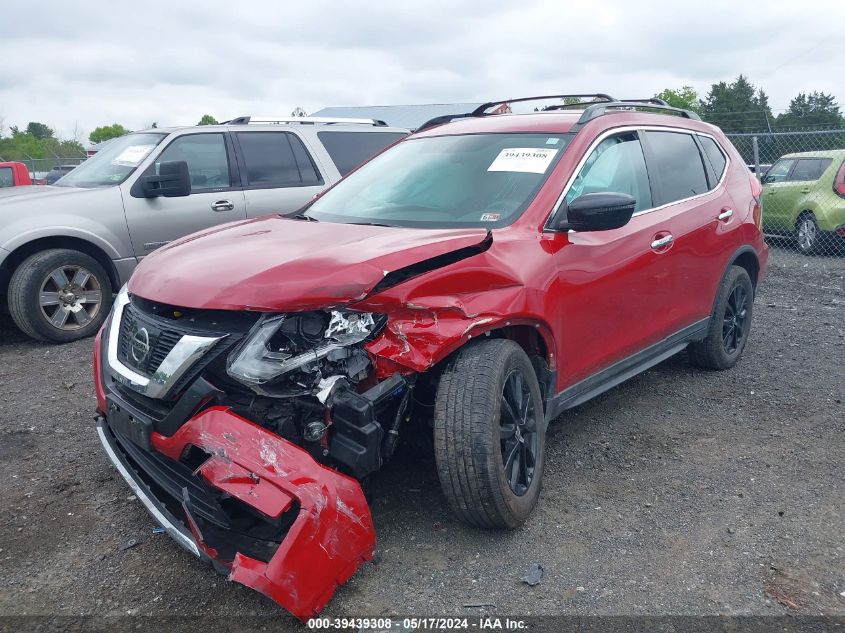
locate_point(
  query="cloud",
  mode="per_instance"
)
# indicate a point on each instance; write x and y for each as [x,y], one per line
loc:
[86,64]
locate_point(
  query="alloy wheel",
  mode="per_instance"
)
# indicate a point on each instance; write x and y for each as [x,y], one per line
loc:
[807,234]
[518,433]
[70,297]
[735,324]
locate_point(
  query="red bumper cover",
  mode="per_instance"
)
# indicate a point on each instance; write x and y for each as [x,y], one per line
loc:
[332,534]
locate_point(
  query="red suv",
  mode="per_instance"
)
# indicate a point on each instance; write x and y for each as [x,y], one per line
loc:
[470,283]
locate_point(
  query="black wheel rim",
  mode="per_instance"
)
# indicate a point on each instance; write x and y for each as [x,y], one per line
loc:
[518,433]
[735,325]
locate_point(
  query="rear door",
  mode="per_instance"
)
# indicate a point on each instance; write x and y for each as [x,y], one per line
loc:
[278,173]
[216,196]
[688,171]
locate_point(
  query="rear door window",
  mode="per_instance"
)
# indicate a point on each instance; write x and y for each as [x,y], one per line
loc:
[809,169]
[7,179]
[676,164]
[349,149]
[277,159]
[206,156]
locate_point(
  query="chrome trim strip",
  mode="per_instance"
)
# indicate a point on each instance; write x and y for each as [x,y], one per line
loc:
[178,535]
[183,355]
[637,128]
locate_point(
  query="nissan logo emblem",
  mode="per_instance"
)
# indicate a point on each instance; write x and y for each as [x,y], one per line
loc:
[139,346]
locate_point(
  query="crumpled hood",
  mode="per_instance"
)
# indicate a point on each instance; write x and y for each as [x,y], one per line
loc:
[280,264]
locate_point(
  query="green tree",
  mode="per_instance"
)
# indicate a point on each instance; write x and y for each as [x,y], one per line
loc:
[685,97]
[815,109]
[297,111]
[39,130]
[105,132]
[207,119]
[737,107]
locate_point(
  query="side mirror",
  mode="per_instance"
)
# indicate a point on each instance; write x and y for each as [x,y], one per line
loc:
[173,180]
[597,212]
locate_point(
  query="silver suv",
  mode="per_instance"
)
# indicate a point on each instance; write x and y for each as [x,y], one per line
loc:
[65,248]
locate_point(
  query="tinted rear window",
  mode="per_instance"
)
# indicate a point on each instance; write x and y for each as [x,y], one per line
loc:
[677,165]
[350,149]
[277,159]
[714,155]
[808,169]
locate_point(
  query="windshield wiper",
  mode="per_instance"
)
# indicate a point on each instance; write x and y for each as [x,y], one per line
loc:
[390,226]
[301,216]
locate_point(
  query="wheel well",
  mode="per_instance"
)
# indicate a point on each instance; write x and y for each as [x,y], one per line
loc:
[801,215]
[58,241]
[534,345]
[748,261]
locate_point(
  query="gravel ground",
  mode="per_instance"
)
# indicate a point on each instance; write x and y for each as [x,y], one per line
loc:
[679,492]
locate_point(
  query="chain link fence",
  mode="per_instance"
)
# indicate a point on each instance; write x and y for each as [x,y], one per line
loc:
[803,176]
[39,167]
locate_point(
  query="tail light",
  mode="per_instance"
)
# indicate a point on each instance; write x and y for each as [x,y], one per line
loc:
[757,201]
[839,181]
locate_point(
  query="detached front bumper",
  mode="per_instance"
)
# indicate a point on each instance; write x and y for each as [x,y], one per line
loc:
[257,506]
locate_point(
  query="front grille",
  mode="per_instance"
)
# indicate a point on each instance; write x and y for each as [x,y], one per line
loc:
[161,340]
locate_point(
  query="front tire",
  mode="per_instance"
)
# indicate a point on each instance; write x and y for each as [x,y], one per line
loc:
[490,434]
[59,295]
[730,323]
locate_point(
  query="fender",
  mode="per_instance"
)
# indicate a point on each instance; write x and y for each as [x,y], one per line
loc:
[65,231]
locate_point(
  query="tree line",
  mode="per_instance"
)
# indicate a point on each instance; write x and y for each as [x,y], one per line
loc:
[739,106]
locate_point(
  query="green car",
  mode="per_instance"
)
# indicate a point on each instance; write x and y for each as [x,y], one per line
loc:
[804,196]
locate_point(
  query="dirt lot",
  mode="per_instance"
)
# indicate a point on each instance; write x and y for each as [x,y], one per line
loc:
[680,492]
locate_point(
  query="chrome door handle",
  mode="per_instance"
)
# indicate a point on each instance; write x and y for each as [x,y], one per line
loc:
[725,214]
[663,241]
[223,205]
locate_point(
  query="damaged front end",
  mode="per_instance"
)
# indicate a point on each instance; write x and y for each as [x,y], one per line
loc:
[247,436]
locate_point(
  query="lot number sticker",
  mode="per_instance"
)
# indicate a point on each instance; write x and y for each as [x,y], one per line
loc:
[530,160]
[133,155]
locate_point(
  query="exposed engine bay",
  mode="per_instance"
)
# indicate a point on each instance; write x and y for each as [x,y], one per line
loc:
[314,385]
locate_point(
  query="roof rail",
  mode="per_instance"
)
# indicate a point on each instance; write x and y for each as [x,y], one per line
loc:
[303,120]
[595,110]
[600,104]
[599,96]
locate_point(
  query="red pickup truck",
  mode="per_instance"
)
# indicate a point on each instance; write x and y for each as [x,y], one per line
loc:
[14,175]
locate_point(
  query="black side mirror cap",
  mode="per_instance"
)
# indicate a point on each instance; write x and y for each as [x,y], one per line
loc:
[173,180]
[596,212]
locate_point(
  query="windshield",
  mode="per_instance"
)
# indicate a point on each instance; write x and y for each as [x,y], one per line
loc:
[112,164]
[473,180]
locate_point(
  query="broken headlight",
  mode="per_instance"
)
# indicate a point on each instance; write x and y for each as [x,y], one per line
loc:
[282,344]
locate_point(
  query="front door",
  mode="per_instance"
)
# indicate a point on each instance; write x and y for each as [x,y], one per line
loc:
[614,290]
[779,196]
[216,195]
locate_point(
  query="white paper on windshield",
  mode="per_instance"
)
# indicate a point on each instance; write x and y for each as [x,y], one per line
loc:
[133,155]
[531,160]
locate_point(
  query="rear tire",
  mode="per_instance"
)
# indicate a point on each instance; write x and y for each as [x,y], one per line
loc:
[59,295]
[730,323]
[490,434]
[808,237]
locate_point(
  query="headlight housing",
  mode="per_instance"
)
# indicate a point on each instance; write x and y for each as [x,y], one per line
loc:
[281,344]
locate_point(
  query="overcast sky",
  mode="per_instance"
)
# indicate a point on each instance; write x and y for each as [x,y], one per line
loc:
[77,65]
